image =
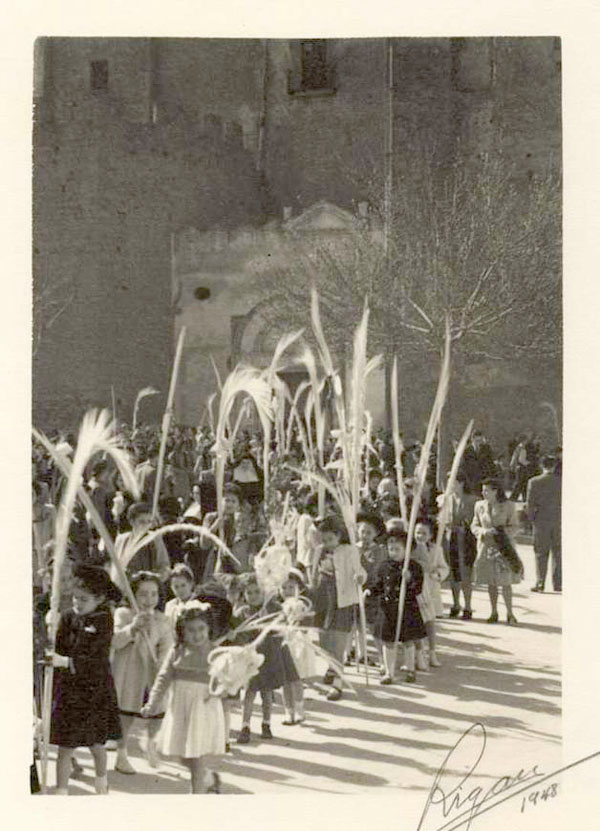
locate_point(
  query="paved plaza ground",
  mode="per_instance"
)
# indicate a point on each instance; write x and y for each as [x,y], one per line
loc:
[389,738]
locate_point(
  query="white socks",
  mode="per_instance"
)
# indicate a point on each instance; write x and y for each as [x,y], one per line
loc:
[101,784]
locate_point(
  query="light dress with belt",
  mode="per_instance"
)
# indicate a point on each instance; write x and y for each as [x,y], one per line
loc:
[194,722]
[491,567]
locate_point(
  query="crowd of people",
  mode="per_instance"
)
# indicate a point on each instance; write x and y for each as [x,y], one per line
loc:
[115,664]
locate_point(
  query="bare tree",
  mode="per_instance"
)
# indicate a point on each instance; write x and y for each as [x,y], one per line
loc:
[469,242]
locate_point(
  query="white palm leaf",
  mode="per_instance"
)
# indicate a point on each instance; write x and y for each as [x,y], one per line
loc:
[327,360]
[278,385]
[216,371]
[138,541]
[315,315]
[443,518]
[209,408]
[143,393]
[294,419]
[421,470]
[353,447]
[340,495]
[398,447]
[283,345]
[308,359]
[249,382]
[308,411]
[96,435]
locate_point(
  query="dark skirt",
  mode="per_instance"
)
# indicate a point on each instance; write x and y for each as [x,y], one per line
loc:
[458,550]
[278,667]
[412,628]
[83,714]
[327,614]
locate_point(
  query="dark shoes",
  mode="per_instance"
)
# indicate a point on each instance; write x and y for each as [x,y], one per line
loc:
[493,618]
[454,611]
[350,659]
[266,731]
[334,695]
[467,614]
[411,677]
[511,620]
[244,736]
[539,587]
[215,787]
[328,677]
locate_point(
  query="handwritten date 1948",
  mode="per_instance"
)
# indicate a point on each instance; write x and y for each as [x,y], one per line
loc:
[534,796]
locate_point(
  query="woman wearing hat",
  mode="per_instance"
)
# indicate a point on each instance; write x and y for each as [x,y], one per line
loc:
[337,578]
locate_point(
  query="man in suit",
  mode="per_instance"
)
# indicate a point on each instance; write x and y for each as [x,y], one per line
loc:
[477,463]
[543,506]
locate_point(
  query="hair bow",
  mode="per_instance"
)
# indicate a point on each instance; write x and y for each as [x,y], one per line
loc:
[194,604]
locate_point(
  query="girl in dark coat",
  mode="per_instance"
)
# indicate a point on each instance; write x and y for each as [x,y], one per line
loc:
[386,589]
[84,709]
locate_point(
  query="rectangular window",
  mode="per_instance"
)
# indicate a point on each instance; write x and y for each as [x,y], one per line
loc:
[316,74]
[98,75]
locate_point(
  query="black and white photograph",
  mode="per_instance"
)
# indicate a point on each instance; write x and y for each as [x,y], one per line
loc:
[298,397]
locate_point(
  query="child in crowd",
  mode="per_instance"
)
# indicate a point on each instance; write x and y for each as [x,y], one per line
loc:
[372,554]
[85,711]
[307,536]
[135,637]
[337,578]
[234,589]
[214,593]
[194,725]
[153,557]
[271,674]
[435,569]
[182,586]
[386,589]
[293,691]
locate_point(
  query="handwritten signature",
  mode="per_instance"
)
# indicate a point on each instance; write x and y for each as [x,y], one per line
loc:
[457,804]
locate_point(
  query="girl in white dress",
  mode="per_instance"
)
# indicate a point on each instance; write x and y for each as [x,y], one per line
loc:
[431,559]
[194,724]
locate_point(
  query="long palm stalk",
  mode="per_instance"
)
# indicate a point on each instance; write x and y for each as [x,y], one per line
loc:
[144,393]
[166,423]
[139,541]
[421,472]
[443,516]
[96,435]
[398,447]
[295,421]
[250,383]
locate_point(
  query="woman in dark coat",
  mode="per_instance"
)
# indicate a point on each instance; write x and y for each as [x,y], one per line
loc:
[386,588]
[84,710]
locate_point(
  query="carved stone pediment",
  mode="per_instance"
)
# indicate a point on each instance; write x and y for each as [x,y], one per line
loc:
[322,216]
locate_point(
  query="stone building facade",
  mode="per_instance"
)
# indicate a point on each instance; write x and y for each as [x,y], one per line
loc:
[165,166]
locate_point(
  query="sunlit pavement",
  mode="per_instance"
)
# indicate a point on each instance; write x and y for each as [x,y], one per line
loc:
[506,678]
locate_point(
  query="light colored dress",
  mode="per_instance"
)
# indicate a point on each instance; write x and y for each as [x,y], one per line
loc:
[133,668]
[435,570]
[491,567]
[194,723]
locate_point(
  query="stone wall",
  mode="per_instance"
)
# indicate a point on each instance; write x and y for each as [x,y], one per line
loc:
[110,188]
[217,136]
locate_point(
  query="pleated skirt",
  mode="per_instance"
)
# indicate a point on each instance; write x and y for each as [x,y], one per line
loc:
[194,725]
